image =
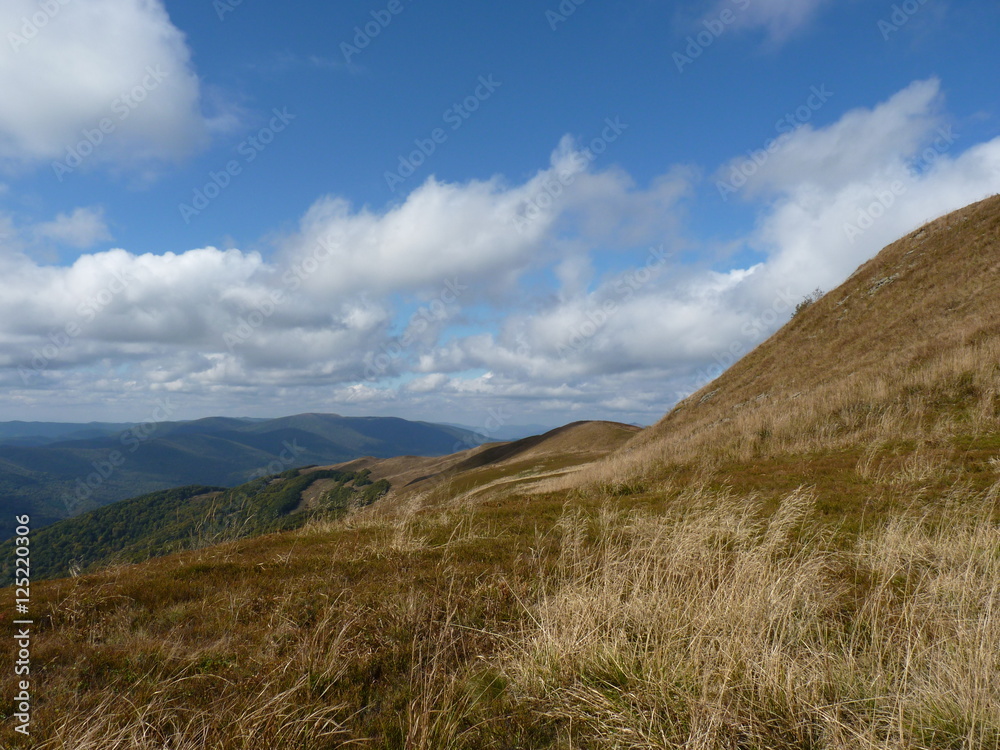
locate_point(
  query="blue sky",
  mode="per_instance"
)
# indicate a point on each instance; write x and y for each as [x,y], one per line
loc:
[477,212]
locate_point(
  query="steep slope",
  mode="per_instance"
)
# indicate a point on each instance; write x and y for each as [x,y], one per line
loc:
[906,349]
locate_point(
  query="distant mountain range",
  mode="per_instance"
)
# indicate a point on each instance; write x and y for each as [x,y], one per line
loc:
[193,517]
[53,471]
[502,433]
[44,433]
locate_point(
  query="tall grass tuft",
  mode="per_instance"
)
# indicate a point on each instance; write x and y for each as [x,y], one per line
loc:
[712,628]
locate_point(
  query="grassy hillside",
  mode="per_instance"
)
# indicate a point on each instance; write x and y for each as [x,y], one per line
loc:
[904,355]
[520,463]
[537,622]
[184,518]
[815,569]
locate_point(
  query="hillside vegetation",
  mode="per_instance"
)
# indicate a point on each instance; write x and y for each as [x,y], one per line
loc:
[60,479]
[802,556]
[526,463]
[193,517]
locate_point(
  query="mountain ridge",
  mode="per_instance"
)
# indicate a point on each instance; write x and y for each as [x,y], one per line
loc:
[58,479]
[180,518]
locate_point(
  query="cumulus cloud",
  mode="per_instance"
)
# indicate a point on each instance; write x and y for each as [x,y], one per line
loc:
[845,152]
[320,312]
[841,193]
[834,197]
[67,66]
[481,231]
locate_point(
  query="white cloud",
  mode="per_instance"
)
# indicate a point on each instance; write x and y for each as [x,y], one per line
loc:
[195,322]
[427,383]
[461,298]
[685,323]
[779,18]
[840,194]
[65,69]
[81,229]
[845,152]
[481,231]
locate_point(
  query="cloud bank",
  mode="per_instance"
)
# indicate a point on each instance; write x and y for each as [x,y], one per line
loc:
[467,297]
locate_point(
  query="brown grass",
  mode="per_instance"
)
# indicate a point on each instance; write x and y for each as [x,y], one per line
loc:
[698,618]
[713,628]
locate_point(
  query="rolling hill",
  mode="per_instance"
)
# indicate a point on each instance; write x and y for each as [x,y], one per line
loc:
[556,453]
[193,517]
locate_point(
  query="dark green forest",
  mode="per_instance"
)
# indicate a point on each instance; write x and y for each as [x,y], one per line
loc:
[185,518]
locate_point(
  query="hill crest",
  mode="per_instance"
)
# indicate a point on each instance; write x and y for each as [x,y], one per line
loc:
[906,348]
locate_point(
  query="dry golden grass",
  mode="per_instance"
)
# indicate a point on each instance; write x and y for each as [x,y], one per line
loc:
[564,449]
[713,628]
[698,618]
[165,718]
